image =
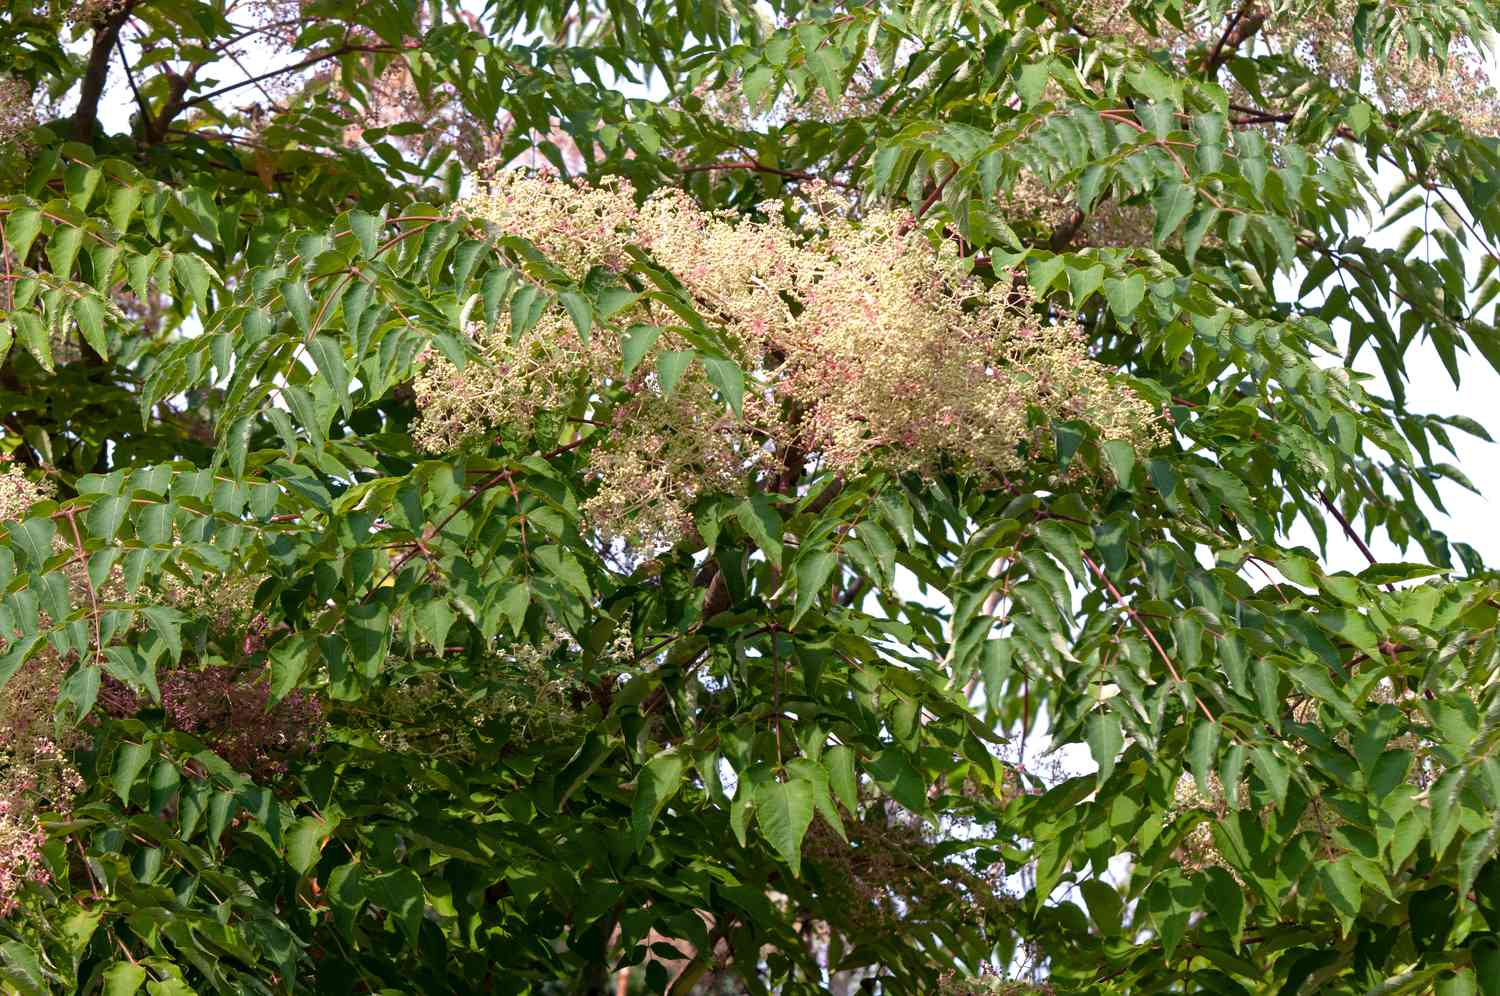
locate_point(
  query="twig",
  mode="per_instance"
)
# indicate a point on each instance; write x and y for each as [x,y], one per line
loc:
[1130,611]
[1349,531]
[129,75]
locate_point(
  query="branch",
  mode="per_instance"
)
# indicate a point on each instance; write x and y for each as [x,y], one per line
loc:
[756,166]
[96,72]
[139,100]
[311,60]
[1130,611]
[1241,28]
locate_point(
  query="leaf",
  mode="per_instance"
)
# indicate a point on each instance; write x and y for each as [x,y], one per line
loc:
[727,376]
[1106,908]
[328,354]
[1203,748]
[304,842]
[123,978]
[1486,953]
[400,892]
[1125,294]
[763,525]
[637,343]
[62,250]
[1105,741]
[813,569]
[658,782]
[289,662]
[130,759]
[1172,202]
[88,311]
[34,538]
[1120,456]
[32,332]
[580,311]
[298,303]
[827,66]
[105,516]
[670,367]
[366,228]
[839,762]
[20,968]
[21,229]
[1227,897]
[784,811]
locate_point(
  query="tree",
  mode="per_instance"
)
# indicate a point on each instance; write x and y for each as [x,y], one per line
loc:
[471,529]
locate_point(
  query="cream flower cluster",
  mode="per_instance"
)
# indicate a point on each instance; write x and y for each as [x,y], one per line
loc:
[867,343]
[17,491]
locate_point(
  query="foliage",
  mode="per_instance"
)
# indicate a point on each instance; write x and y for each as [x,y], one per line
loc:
[411,589]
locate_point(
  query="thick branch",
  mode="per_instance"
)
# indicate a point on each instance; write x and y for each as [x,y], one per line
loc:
[96,73]
[1241,28]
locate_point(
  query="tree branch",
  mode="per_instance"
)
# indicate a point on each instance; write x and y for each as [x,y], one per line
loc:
[311,60]
[1240,29]
[96,72]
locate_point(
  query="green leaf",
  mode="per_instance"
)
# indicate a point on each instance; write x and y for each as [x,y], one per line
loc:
[290,659]
[1106,908]
[763,525]
[1227,897]
[784,811]
[727,376]
[304,842]
[526,307]
[123,978]
[130,759]
[1203,749]
[813,569]
[670,367]
[1125,294]
[658,782]
[328,354]
[1486,954]
[32,332]
[88,312]
[62,250]
[580,311]
[1105,741]
[636,344]
[839,762]
[20,968]
[105,516]
[827,66]
[366,229]
[298,303]
[1172,202]
[21,229]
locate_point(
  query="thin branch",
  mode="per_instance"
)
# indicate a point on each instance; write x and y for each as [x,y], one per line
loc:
[419,545]
[756,166]
[129,75]
[1150,636]
[311,60]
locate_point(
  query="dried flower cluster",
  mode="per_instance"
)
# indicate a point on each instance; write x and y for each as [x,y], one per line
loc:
[17,109]
[35,773]
[867,343]
[230,710]
[885,875]
[987,983]
[1320,36]
[534,690]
